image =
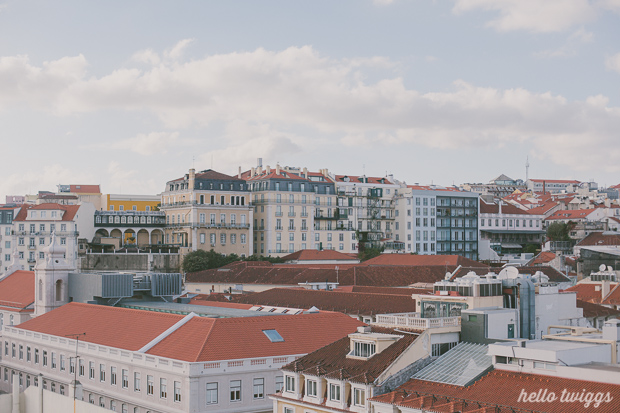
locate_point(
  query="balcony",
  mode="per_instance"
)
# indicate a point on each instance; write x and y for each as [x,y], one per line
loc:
[415,321]
[32,247]
[192,203]
[291,228]
[291,214]
[279,214]
[207,225]
[303,215]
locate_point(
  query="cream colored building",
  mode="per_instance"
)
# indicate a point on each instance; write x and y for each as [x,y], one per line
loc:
[295,209]
[208,210]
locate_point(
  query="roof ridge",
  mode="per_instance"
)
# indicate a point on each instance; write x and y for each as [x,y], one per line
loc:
[207,335]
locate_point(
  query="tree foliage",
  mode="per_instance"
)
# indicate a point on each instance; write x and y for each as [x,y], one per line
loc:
[368,253]
[558,231]
[203,260]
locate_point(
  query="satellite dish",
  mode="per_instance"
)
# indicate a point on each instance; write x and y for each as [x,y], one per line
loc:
[609,268]
[448,276]
[508,273]
[601,267]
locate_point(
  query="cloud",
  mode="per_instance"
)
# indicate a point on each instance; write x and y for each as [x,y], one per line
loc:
[532,15]
[382,2]
[613,62]
[613,5]
[146,56]
[177,51]
[570,47]
[45,178]
[276,102]
[147,144]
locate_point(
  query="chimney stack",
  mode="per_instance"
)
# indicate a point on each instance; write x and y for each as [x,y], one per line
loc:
[305,172]
[239,174]
[277,169]
[268,169]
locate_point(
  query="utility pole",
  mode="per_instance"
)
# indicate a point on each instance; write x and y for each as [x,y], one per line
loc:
[75,336]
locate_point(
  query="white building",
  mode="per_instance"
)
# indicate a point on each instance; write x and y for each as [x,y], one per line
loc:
[34,226]
[7,214]
[143,361]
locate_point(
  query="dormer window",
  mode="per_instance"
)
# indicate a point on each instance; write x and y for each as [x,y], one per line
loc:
[290,383]
[362,349]
[334,392]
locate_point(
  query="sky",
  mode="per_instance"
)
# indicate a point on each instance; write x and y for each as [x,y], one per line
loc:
[130,95]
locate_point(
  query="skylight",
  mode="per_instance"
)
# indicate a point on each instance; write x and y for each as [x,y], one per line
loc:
[273,336]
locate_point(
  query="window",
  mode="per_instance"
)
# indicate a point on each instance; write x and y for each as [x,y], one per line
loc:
[311,388]
[243,238]
[334,392]
[362,349]
[81,367]
[177,391]
[113,376]
[125,377]
[259,388]
[235,390]
[53,358]
[136,381]
[163,392]
[279,383]
[359,397]
[91,367]
[149,384]
[290,383]
[21,352]
[28,357]
[211,393]
[44,356]
[102,372]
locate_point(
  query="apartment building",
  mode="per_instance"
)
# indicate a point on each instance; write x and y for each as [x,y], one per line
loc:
[144,361]
[551,185]
[34,226]
[7,214]
[366,205]
[437,220]
[208,210]
[295,209]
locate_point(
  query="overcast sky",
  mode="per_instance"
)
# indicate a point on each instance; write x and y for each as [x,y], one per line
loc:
[130,94]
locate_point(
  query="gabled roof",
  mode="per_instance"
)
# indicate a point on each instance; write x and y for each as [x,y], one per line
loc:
[589,292]
[348,303]
[421,260]
[570,214]
[542,258]
[17,291]
[214,175]
[331,361]
[200,338]
[600,238]
[595,310]
[499,391]
[85,189]
[316,255]
[68,215]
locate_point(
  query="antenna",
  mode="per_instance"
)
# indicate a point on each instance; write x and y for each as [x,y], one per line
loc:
[527,168]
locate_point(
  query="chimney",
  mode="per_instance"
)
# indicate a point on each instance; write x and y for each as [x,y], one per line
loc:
[192,178]
[326,173]
[305,172]
[252,172]
[605,288]
[277,169]
[268,169]
[239,174]
[259,170]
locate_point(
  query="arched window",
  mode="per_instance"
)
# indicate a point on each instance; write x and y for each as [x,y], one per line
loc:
[59,290]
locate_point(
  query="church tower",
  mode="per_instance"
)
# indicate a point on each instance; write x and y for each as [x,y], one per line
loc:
[51,279]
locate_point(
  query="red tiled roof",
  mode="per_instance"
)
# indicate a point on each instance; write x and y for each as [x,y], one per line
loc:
[199,339]
[542,258]
[501,390]
[589,292]
[369,275]
[366,179]
[222,304]
[433,188]
[570,214]
[69,214]
[17,290]
[316,255]
[331,361]
[85,189]
[382,290]
[599,238]
[209,339]
[348,303]
[553,274]
[422,260]
[613,298]
[543,209]
[595,310]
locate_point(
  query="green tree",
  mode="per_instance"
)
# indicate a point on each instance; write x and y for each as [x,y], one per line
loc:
[558,231]
[203,260]
[368,253]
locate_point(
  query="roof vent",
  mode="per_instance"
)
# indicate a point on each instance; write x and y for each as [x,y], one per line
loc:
[313,310]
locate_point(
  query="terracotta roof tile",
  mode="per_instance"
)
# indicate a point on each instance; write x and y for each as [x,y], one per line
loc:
[589,292]
[331,361]
[501,390]
[366,179]
[17,290]
[570,214]
[422,260]
[68,215]
[600,238]
[542,258]
[596,310]
[313,254]
[348,303]
[199,339]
